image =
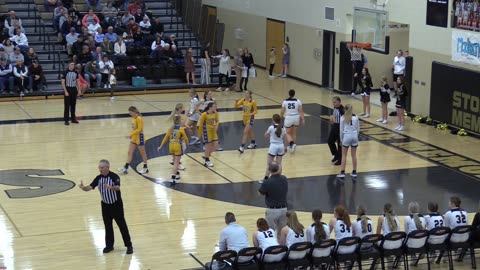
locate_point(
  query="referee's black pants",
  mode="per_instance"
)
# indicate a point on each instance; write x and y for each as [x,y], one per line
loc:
[334,142]
[70,103]
[112,212]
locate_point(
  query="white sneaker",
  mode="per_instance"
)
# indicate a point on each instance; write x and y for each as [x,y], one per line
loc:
[143,170]
[122,170]
[177,177]
[353,175]
[112,98]
[199,142]
[252,146]
[181,167]
[104,86]
[384,122]
[362,114]
[380,120]
[283,76]
[172,180]
[208,163]
[22,94]
[366,115]
[401,128]
[260,181]
[171,162]
[289,149]
[219,148]
[194,141]
[204,148]
[241,149]
[397,127]
[219,89]
[341,175]
[352,94]
[293,148]
[271,76]
[227,89]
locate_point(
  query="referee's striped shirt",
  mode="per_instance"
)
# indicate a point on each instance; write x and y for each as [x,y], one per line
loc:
[337,114]
[70,77]
[108,196]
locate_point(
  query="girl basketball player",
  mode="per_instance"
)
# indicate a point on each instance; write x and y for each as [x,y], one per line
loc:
[401,103]
[249,110]
[384,99]
[414,221]
[137,141]
[175,135]
[318,231]
[292,112]
[202,104]
[179,111]
[194,115]
[366,85]
[264,237]
[340,223]
[349,131]
[434,219]
[276,133]
[362,226]
[294,232]
[208,125]
[389,221]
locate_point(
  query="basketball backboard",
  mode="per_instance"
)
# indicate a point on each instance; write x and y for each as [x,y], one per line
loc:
[371,26]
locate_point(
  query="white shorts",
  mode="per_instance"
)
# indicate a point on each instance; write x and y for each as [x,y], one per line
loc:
[276,149]
[350,139]
[292,120]
[195,117]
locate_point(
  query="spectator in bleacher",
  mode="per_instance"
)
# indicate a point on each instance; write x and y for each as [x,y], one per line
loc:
[98,54]
[75,14]
[70,39]
[94,4]
[110,35]
[126,19]
[120,48]
[132,27]
[85,56]
[20,72]
[67,26]
[91,72]
[190,66]
[49,3]
[163,54]
[138,38]
[30,56]
[98,36]
[37,79]
[157,28]
[105,66]
[90,42]
[58,12]
[177,56]
[110,13]
[12,17]
[8,46]
[233,237]
[67,3]
[107,47]
[139,15]
[20,40]
[77,47]
[89,18]
[134,5]
[16,55]
[157,46]
[93,27]
[4,55]
[61,21]
[173,40]
[146,26]
[6,76]
[85,33]
[12,30]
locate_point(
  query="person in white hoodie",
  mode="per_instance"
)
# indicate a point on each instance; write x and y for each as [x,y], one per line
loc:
[20,71]
[349,131]
[105,66]
[224,69]
[20,40]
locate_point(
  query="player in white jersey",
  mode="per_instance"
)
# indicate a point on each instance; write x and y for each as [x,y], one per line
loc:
[194,116]
[455,216]
[434,219]
[389,221]
[340,223]
[318,231]
[292,112]
[276,132]
[362,226]
[349,131]
[414,221]
[264,237]
[294,232]
[202,104]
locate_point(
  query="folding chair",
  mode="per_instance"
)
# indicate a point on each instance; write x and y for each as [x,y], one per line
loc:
[346,251]
[221,259]
[298,255]
[416,243]
[475,245]
[392,245]
[369,249]
[247,259]
[437,241]
[458,239]
[274,258]
[322,253]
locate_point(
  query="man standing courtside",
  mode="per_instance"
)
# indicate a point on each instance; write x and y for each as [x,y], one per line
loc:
[275,190]
[108,184]
[334,137]
[70,92]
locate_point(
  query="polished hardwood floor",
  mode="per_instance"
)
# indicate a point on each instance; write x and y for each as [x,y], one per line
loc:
[46,222]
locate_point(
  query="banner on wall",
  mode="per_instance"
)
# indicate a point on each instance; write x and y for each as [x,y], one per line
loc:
[466,47]
[454,97]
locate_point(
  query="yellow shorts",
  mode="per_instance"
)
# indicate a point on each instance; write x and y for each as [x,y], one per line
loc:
[248,120]
[209,136]
[138,140]
[175,149]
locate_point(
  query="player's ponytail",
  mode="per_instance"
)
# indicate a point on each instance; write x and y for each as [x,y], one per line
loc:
[320,233]
[342,214]
[389,215]
[361,214]
[291,93]
[176,111]
[413,208]
[134,110]
[177,120]
[293,223]
[433,207]
[347,116]
[278,121]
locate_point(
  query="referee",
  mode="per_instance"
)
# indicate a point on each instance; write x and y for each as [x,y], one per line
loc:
[70,90]
[334,137]
[112,206]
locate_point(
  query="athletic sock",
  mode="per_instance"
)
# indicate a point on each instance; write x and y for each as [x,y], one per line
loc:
[292,143]
[342,172]
[243,145]
[145,165]
[253,141]
[354,171]
[178,173]
[207,159]
[126,166]
[266,177]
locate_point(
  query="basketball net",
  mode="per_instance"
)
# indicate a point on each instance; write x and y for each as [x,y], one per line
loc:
[355,53]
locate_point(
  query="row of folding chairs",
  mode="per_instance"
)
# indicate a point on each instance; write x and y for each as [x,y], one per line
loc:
[351,251]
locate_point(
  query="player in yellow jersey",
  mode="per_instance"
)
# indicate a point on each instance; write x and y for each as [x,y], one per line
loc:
[176,136]
[137,141]
[180,111]
[207,127]
[249,110]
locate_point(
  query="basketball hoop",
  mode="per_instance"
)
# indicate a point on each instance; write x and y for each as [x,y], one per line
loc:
[356,48]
